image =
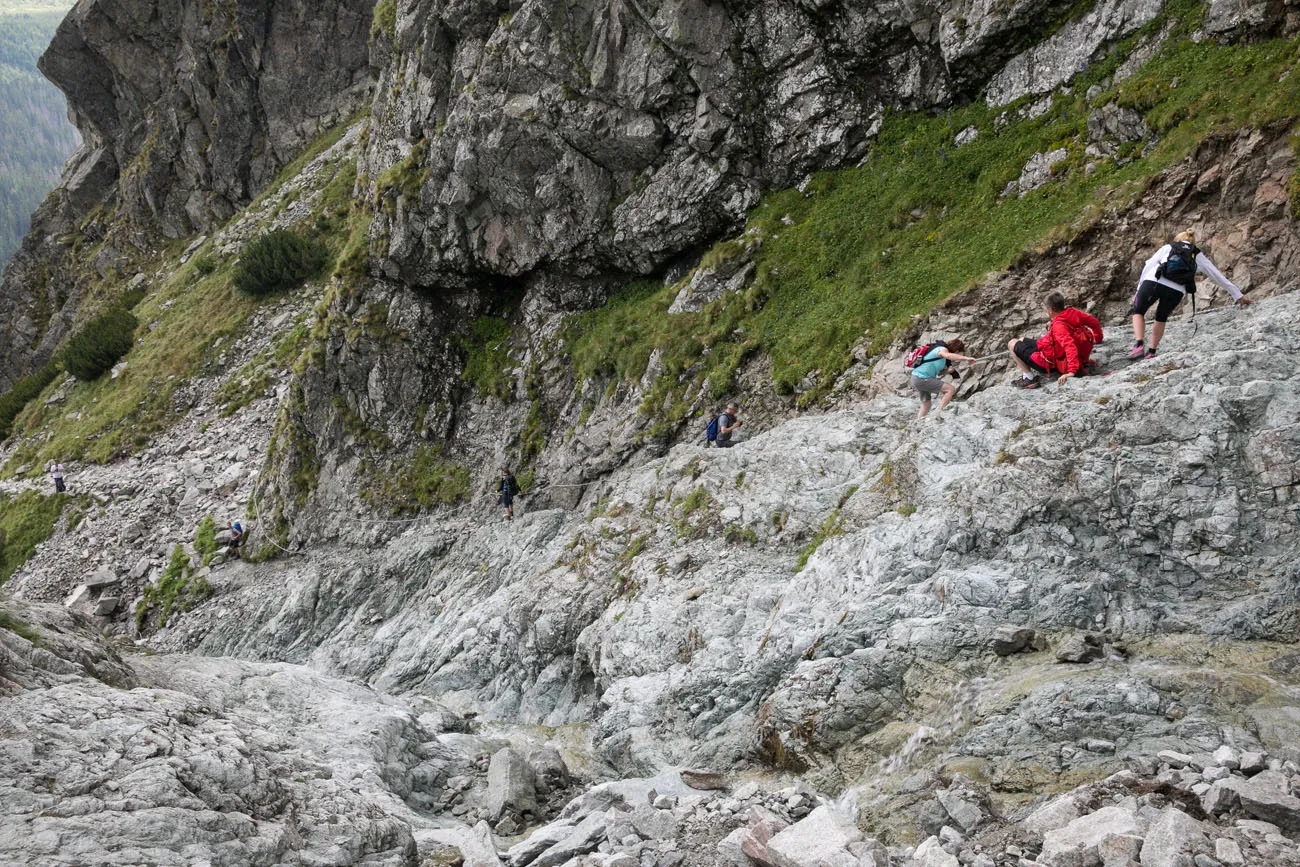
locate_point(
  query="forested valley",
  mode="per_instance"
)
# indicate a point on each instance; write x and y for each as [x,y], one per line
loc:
[35,135]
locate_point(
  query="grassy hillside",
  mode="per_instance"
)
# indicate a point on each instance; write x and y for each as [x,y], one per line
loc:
[35,135]
[855,253]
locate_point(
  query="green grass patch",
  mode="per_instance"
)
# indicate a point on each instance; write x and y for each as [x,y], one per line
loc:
[21,628]
[833,526]
[177,590]
[860,251]
[487,357]
[205,540]
[26,520]
[25,390]
[426,480]
[384,23]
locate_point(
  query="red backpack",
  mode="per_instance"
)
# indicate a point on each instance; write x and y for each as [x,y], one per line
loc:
[918,354]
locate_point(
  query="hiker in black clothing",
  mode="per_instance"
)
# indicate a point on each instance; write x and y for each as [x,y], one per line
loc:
[726,424]
[509,487]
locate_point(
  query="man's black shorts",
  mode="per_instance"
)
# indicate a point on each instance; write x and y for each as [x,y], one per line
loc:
[1151,292]
[1024,350]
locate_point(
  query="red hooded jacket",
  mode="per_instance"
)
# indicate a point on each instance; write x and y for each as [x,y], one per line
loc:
[1068,342]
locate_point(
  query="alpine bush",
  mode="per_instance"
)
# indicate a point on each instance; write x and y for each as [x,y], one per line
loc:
[94,349]
[24,390]
[278,260]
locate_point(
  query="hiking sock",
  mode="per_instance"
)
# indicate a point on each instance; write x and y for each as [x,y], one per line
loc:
[1026,376]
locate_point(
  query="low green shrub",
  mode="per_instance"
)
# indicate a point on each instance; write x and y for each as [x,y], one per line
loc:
[93,350]
[277,261]
[24,391]
[205,539]
[176,590]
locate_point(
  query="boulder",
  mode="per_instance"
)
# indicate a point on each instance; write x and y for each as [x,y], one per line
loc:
[1076,844]
[102,577]
[821,839]
[1173,838]
[106,606]
[1228,853]
[1226,757]
[1266,796]
[581,839]
[477,848]
[526,852]
[730,851]
[549,770]
[1056,813]
[763,827]
[964,808]
[1081,648]
[511,784]
[654,824]
[932,854]
[1252,763]
[704,780]
[1013,639]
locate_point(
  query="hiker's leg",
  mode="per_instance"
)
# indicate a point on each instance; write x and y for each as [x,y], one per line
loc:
[925,406]
[1139,327]
[1169,301]
[949,392]
[1011,348]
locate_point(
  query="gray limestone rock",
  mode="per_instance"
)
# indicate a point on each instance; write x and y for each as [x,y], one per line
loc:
[511,784]
[1172,839]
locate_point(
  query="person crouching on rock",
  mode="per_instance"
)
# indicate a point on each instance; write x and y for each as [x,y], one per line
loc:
[926,373]
[1167,277]
[1066,348]
[509,487]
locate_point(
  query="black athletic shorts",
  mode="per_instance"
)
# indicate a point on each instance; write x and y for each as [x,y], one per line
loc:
[1165,299]
[1024,350]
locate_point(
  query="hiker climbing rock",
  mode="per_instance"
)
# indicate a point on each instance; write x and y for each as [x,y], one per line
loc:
[1167,277]
[722,426]
[236,531]
[927,363]
[56,473]
[1065,351]
[509,488]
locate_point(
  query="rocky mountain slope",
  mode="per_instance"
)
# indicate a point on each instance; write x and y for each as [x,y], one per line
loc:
[1051,627]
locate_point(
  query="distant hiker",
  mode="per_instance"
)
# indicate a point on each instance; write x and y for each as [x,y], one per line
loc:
[726,424]
[1166,278]
[927,363]
[509,487]
[236,539]
[56,473]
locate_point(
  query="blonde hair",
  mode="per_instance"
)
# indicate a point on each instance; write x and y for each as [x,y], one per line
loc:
[1189,237]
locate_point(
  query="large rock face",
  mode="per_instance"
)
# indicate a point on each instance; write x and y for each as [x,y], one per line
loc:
[191,108]
[1152,504]
[187,110]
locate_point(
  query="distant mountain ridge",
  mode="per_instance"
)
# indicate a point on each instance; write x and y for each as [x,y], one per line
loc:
[35,135]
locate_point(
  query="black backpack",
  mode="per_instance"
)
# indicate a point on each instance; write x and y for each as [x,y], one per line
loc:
[1181,265]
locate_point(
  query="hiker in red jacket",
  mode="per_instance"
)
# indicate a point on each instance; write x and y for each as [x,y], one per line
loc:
[1064,350]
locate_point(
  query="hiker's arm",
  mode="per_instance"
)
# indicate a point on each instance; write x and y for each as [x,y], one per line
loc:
[954,356]
[1094,325]
[1061,335]
[1205,265]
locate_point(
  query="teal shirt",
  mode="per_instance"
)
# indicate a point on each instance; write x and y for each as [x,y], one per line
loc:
[931,366]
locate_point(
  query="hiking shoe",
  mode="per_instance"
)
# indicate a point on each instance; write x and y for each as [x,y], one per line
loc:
[1138,352]
[1029,383]
[1151,353]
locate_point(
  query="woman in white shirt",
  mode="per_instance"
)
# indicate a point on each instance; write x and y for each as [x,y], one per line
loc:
[1165,290]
